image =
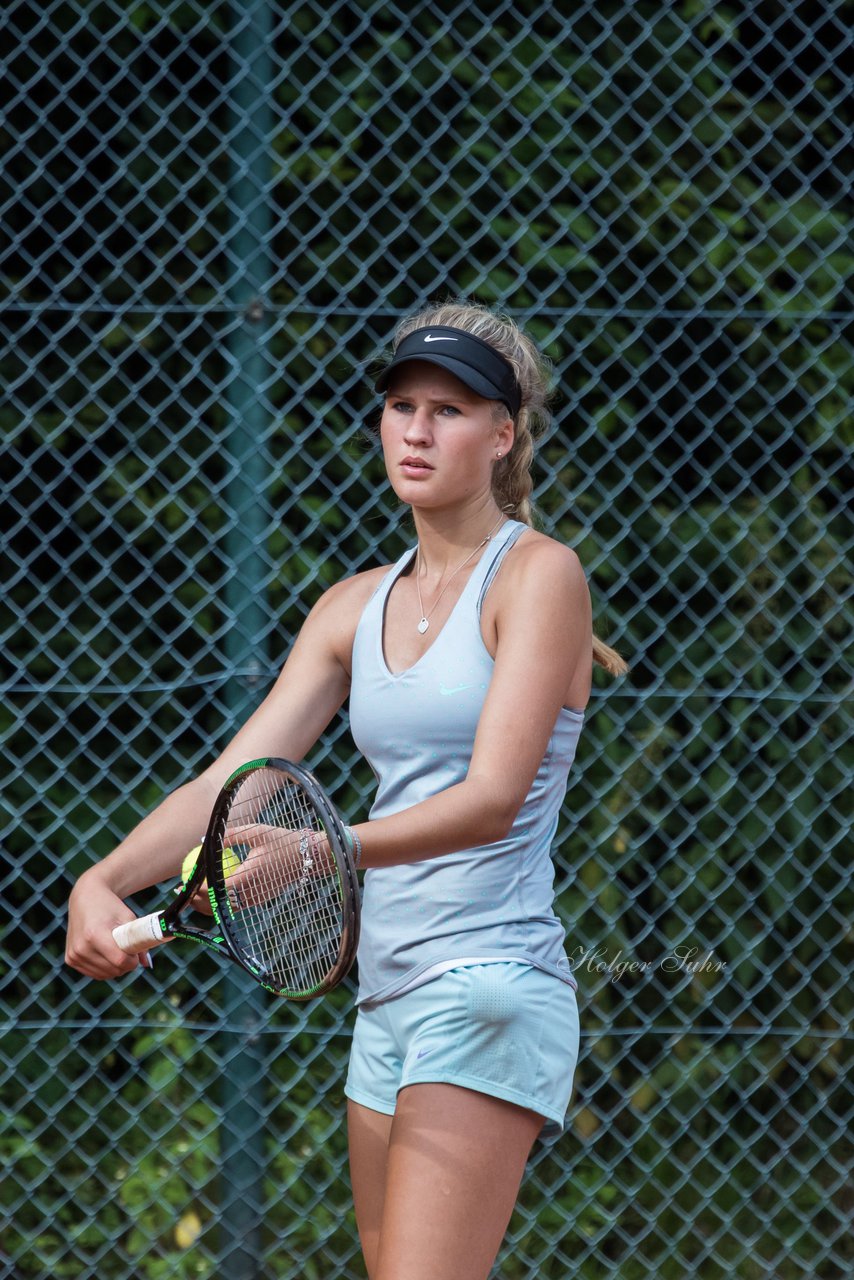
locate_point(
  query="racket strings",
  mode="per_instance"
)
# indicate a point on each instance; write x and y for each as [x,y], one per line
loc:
[285,900]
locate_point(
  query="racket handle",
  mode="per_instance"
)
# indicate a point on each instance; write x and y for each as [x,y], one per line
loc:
[139,935]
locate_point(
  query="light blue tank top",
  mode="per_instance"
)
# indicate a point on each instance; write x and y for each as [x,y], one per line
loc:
[417,729]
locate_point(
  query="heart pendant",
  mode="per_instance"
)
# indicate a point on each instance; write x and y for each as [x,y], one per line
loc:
[423,625]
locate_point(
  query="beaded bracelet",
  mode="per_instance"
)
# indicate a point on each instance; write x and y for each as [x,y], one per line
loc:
[355,843]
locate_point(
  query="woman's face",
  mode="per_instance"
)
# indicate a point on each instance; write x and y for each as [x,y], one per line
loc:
[440,439]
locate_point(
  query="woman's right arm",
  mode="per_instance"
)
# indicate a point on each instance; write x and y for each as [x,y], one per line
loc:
[311,687]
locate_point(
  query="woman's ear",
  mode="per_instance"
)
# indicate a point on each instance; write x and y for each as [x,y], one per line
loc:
[505,434]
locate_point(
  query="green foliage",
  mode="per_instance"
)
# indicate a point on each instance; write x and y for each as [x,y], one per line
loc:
[657,191]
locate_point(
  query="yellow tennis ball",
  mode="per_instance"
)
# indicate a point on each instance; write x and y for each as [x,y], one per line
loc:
[189,863]
[230,862]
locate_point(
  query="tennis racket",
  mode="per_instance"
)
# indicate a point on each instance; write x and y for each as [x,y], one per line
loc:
[281,881]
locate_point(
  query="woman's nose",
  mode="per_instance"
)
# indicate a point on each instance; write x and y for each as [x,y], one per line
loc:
[418,426]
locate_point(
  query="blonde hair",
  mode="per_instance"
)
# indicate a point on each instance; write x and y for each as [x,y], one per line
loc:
[512,484]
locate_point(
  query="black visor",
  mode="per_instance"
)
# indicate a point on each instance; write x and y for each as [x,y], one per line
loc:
[468,358]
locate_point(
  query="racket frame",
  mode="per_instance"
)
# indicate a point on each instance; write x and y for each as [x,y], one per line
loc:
[209,867]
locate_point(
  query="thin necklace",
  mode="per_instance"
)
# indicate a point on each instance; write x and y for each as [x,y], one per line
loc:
[425,617]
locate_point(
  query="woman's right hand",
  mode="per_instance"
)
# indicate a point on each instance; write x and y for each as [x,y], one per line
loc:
[94,910]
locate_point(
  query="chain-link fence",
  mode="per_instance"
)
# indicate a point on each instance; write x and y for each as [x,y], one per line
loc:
[213,216]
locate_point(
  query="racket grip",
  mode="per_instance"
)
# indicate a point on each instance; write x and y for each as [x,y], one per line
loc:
[139,935]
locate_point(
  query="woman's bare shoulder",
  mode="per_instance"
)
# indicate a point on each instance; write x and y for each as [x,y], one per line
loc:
[541,556]
[333,621]
[338,610]
[353,592]
[539,577]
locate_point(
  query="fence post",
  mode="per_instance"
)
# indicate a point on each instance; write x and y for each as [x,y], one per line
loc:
[243,1064]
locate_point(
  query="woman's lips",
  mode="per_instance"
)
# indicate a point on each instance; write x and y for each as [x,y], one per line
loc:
[415,467]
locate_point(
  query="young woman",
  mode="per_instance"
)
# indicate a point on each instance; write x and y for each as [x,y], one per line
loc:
[468,668]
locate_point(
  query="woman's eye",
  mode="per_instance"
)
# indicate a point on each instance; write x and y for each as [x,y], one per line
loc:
[404,406]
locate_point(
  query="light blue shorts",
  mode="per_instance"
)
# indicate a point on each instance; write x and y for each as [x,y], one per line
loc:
[506,1029]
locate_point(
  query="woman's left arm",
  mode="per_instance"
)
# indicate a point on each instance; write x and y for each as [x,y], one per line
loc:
[543,645]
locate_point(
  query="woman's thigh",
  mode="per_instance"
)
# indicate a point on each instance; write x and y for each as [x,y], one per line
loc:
[454,1162]
[368,1134]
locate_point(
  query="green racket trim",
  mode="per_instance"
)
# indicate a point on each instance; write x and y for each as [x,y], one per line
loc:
[244,768]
